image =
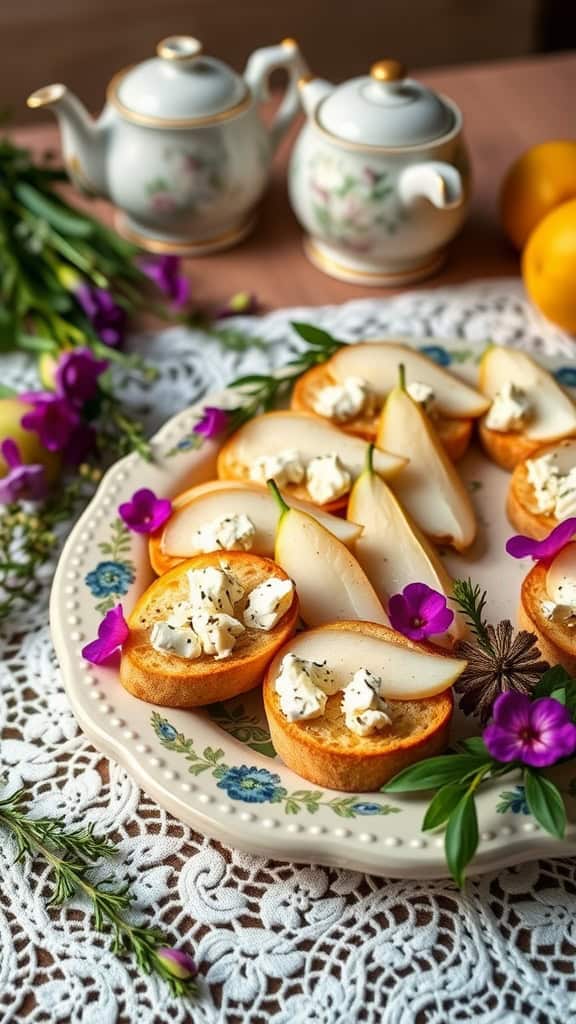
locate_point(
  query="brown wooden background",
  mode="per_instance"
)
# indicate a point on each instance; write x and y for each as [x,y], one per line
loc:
[82,42]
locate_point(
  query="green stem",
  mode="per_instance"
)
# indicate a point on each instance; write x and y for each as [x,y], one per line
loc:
[402,377]
[275,492]
[369,464]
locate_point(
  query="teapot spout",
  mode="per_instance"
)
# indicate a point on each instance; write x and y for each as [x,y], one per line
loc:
[312,91]
[439,183]
[83,143]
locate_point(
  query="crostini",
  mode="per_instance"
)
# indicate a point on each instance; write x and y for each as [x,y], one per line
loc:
[351,704]
[542,490]
[310,460]
[529,408]
[206,630]
[548,607]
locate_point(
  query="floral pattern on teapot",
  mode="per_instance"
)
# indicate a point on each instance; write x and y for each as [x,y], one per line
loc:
[191,177]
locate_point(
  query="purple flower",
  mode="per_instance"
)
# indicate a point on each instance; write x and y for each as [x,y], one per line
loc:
[165,272]
[522,547]
[81,442]
[240,304]
[112,633]
[51,417]
[537,733]
[145,513]
[106,316]
[177,962]
[21,481]
[77,375]
[419,612]
[214,421]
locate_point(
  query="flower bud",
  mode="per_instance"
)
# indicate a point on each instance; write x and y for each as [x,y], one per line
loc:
[178,963]
[68,277]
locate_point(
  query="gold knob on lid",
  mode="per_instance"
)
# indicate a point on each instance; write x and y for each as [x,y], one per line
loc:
[179,48]
[388,71]
[289,44]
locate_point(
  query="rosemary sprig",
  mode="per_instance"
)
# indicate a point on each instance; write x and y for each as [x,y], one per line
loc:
[70,856]
[261,392]
[472,600]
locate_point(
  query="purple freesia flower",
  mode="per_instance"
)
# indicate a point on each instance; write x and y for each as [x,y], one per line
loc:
[77,375]
[538,733]
[145,513]
[240,304]
[112,633]
[214,421]
[419,612]
[106,316]
[524,547]
[177,962]
[165,272]
[51,417]
[21,481]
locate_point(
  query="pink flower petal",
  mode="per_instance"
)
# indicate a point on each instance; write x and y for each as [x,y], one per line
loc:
[512,711]
[145,513]
[520,546]
[502,744]
[112,633]
[11,453]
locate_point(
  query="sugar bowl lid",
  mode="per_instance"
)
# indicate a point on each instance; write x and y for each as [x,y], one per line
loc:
[385,108]
[179,87]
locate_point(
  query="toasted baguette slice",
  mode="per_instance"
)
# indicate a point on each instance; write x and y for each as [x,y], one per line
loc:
[311,435]
[326,753]
[455,434]
[556,642]
[171,681]
[507,450]
[174,542]
[521,505]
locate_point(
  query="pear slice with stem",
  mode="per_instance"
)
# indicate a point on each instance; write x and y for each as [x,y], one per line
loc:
[377,362]
[392,550]
[329,581]
[429,487]
[552,413]
[407,673]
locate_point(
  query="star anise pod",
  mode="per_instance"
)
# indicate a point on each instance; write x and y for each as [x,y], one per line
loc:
[512,663]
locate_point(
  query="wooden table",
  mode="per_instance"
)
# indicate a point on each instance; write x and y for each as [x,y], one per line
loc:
[507,107]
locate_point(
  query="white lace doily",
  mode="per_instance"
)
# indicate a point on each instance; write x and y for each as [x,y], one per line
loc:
[276,944]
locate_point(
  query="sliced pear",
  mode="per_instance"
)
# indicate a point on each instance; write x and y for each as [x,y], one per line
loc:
[406,674]
[378,363]
[561,576]
[219,498]
[329,581]
[429,487]
[391,549]
[552,411]
[276,431]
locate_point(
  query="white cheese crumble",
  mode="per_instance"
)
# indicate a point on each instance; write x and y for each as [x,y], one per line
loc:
[563,614]
[365,712]
[555,492]
[228,533]
[421,393]
[509,410]
[303,687]
[213,590]
[345,401]
[327,478]
[267,603]
[217,632]
[285,467]
[168,639]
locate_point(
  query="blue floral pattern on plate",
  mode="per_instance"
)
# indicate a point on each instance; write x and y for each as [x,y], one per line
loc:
[253,785]
[514,801]
[566,376]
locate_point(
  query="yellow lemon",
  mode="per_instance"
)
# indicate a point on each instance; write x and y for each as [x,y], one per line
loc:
[541,179]
[549,266]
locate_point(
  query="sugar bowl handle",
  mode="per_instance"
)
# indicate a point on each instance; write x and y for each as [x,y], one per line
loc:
[257,74]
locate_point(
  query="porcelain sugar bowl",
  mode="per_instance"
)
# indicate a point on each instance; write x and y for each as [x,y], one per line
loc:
[180,148]
[379,176]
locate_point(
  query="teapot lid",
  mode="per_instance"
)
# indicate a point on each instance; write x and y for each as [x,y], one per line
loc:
[179,87]
[385,108]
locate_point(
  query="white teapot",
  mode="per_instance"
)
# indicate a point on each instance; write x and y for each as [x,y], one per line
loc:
[180,148]
[378,177]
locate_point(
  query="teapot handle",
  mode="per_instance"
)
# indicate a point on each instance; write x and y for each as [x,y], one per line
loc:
[434,180]
[258,70]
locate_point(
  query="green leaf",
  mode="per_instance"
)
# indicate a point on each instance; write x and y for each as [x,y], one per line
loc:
[443,804]
[461,840]
[475,745]
[554,678]
[545,802]
[6,392]
[315,336]
[434,773]
[61,218]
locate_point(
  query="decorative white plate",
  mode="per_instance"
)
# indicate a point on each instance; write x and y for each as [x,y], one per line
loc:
[216,769]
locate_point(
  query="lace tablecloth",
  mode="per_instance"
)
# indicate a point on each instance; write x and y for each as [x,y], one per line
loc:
[276,943]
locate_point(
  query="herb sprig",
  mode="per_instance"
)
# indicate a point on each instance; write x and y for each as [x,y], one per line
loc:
[472,601]
[70,855]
